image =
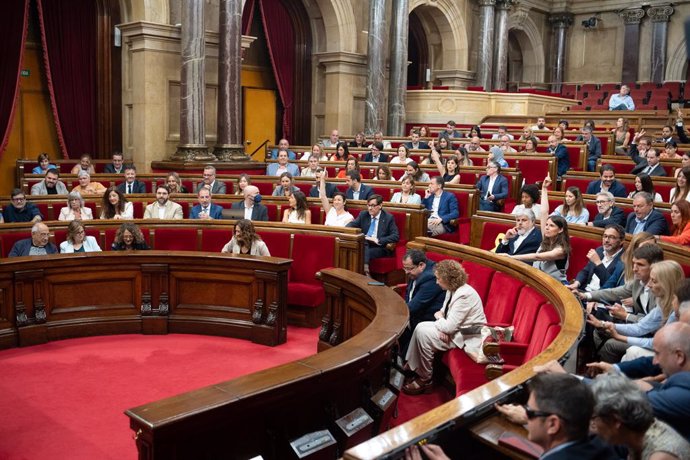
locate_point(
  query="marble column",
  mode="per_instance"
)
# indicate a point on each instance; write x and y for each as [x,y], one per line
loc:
[229,146]
[374,104]
[485,56]
[501,44]
[397,85]
[192,146]
[631,43]
[660,15]
[560,23]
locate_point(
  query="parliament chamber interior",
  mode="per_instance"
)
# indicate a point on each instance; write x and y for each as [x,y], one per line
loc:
[454,200]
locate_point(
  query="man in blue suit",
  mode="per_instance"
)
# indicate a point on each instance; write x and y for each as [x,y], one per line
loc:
[493,188]
[593,147]
[283,145]
[131,184]
[423,296]
[205,209]
[524,238]
[356,190]
[443,206]
[560,152]
[645,218]
[415,143]
[603,261]
[379,229]
[607,183]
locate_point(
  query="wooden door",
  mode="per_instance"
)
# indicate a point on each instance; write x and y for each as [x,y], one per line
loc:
[259,113]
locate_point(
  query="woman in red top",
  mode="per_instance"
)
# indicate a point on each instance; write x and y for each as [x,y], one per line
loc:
[680,217]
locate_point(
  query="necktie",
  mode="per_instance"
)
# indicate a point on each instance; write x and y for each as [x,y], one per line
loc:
[372,227]
[129,188]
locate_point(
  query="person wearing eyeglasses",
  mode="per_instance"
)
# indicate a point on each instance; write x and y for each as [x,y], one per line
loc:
[20,210]
[560,425]
[38,245]
[493,188]
[603,261]
[609,213]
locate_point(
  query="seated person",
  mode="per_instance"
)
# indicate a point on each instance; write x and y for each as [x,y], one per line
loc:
[650,165]
[496,154]
[541,125]
[116,167]
[336,214]
[283,145]
[253,209]
[415,172]
[205,209]
[593,147]
[282,166]
[383,172]
[116,206]
[20,210]
[493,188]
[315,190]
[415,143]
[443,206]
[529,200]
[131,184]
[379,229]
[407,194]
[75,209]
[560,152]
[360,141]
[378,137]
[332,141]
[311,168]
[86,187]
[645,218]
[128,238]
[607,183]
[351,165]
[504,144]
[50,185]
[524,238]
[403,156]
[609,213]
[44,165]
[644,183]
[246,241]
[163,207]
[286,185]
[342,152]
[622,100]
[84,165]
[77,241]
[175,183]
[603,261]
[457,324]
[356,190]
[450,131]
[573,209]
[37,245]
[375,154]
[298,212]
[316,152]
[209,180]
[680,218]
[475,145]
[500,132]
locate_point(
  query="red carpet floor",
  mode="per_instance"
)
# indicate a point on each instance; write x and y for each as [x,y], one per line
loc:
[66,399]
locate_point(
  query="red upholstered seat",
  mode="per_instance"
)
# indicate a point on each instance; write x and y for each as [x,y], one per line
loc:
[546,328]
[265,188]
[533,169]
[385,192]
[526,309]
[7,240]
[467,374]
[579,249]
[479,277]
[175,239]
[43,208]
[384,265]
[138,208]
[278,243]
[213,239]
[502,298]
[272,212]
[489,233]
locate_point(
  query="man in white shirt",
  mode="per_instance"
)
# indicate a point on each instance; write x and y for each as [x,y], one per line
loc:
[332,141]
[163,208]
[521,239]
[378,137]
[475,145]
[502,131]
[622,100]
[603,261]
[253,210]
[505,144]
[541,125]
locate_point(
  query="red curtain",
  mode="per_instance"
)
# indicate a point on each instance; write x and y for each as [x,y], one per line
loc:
[248,16]
[280,38]
[13,28]
[68,34]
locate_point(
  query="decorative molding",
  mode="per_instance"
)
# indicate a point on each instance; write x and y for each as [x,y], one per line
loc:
[519,15]
[632,16]
[325,326]
[487,2]
[258,311]
[335,335]
[660,13]
[561,20]
[272,314]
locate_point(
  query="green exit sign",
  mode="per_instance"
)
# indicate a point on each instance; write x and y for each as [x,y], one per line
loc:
[25,72]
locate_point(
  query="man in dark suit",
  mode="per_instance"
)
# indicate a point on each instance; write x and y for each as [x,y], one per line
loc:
[217,187]
[493,188]
[609,213]
[116,167]
[645,218]
[603,261]
[415,143]
[253,210]
[331,189]
[131,184]
[423,296]
[524,238]
[560,425]
[379,229]
[650,165]
[375,154]
[607,183]
[443,206]
[205,209]
[356,190]
[37,245]
[593,147]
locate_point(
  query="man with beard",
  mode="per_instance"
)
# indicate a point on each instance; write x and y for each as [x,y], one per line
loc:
[163,208]
[523,238]
[603,260]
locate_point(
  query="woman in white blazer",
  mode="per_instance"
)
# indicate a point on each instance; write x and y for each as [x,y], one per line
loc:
[77,241]
[462,311]
[75,209]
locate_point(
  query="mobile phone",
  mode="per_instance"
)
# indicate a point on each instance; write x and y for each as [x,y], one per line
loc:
[376,283]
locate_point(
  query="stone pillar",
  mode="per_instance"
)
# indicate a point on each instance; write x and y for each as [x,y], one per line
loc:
[501,45]
[397,85]
[631,44]
[374,104]
[660,15]
[485,56]
[559,22]
[229,146]
[192,146]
